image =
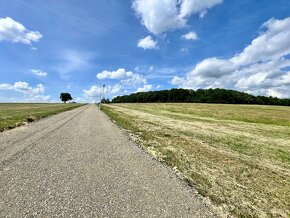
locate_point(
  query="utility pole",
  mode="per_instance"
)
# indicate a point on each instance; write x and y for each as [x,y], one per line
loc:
[101,93]
[100,97]
[104,90]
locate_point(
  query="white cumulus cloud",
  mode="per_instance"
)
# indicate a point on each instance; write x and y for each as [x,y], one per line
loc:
[189,7]
[145,88]
[126,81]
[120,73]
[13,31]
[126,78]
[190,36]
[261,68]
[176,80]
[95,92]
[23,87]
[272,43]
[134,80]
[31,94]
[159,16]
[213,67]
[147,43]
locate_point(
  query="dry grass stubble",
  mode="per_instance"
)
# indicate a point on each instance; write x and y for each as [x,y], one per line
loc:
[243,167]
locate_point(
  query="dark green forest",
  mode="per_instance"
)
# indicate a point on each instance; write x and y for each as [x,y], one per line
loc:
[221,96]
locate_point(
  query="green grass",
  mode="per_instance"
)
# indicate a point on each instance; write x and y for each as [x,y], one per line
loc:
[237,155]
[17,114]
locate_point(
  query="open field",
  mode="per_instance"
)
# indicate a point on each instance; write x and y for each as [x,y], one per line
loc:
[17,114]
[237,155]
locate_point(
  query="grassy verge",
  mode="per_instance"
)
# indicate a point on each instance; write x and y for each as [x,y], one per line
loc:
[17,114]
[237,155]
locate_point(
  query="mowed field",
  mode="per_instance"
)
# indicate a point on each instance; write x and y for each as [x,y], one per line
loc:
[17,114]
[237,155]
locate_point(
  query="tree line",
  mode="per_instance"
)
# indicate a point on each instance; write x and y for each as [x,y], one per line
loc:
[221,96]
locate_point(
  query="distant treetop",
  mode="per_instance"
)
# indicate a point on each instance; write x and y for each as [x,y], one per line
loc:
[65,97]
[221,96]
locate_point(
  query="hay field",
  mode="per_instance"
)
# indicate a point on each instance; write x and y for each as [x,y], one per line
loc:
[236,155]
[17,114]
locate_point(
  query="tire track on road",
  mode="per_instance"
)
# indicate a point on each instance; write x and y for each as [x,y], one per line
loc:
[30,145]
[37,131]
[85,166]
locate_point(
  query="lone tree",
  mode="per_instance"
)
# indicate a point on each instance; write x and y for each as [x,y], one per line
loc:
[65,97]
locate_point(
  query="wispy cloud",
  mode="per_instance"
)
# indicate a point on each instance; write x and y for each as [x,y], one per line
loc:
[38,73]
[72,61]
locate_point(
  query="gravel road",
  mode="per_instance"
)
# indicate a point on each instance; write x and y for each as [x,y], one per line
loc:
[79,164]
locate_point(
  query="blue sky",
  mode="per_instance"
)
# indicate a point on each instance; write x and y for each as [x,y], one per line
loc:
[49,47]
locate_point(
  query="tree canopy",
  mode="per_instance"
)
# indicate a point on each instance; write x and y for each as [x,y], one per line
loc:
[222,96]
[65,97]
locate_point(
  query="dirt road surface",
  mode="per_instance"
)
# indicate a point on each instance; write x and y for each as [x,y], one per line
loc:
[79,164]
